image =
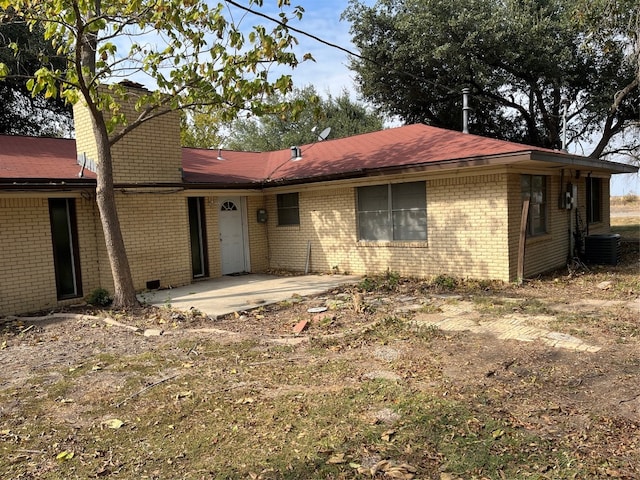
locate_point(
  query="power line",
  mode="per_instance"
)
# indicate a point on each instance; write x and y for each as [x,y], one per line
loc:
[336,46]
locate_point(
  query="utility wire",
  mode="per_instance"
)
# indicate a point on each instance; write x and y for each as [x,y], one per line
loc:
[336,46]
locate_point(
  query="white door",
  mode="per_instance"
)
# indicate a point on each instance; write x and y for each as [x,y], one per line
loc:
[232,235]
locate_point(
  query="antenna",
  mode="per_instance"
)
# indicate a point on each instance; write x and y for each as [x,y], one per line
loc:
[324,134]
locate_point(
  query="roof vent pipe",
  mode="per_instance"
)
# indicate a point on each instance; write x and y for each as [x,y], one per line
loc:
[296,153]
[565,103]
[465,109]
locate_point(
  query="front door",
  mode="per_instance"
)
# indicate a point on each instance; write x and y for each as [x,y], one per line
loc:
[232,235]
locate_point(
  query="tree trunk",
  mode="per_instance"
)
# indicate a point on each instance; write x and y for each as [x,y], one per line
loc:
[124,292]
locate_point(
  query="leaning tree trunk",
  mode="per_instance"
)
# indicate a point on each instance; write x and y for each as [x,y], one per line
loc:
[124,292]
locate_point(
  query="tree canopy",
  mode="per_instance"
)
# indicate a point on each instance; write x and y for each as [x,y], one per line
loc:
[523,60]
[192,54]
[21,113]
[344,116]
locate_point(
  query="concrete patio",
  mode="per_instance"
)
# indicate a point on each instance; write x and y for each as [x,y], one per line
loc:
[230,294]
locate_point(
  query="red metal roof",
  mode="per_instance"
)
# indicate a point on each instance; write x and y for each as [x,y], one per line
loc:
[39,158]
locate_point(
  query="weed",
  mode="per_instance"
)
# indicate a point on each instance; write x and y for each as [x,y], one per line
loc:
[430,308]
[387,282]
[427,332]
[445,282]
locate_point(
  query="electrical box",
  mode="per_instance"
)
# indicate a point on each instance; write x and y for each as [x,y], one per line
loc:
[262,216]
[568,202]
[570,199]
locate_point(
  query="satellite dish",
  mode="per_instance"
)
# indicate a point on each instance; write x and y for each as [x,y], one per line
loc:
[324,134]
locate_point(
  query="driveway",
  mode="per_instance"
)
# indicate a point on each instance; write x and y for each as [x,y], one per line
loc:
[230,294]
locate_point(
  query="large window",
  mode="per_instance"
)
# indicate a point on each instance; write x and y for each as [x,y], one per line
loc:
[288,209]
[393,212]
[594,200]
[534,187]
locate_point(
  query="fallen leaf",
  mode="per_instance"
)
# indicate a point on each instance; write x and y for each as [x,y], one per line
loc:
[113,423]
[386,436]
[337,459]
[497,433]
[185,394]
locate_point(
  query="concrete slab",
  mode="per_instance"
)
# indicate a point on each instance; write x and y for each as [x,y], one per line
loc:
[220,296]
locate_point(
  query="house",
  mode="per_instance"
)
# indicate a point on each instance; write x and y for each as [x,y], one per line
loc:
[417,200]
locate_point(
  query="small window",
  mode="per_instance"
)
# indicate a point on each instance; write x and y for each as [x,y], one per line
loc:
[594,200]
[288,209]
[393,212]
[534,187]
[228,207]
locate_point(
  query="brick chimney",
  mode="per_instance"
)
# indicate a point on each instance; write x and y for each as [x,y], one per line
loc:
[151,153]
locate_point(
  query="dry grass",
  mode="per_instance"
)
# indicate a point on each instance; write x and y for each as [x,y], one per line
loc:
[369,394]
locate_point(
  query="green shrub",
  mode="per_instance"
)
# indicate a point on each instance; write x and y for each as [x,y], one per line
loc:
[99,297]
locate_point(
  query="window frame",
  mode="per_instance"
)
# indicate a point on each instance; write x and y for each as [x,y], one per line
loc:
[594,202]
[534,229]
[390,226]
[288,209]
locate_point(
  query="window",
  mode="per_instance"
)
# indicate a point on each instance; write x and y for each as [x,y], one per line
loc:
[594,200]
[393,212]
[288,210]
[534,187]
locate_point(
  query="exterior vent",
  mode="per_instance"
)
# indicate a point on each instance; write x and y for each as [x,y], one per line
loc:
[602,249]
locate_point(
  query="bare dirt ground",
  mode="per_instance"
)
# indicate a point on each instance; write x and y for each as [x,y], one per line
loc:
[583,404]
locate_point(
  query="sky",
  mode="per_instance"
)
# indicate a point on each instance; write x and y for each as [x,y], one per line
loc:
[329,73]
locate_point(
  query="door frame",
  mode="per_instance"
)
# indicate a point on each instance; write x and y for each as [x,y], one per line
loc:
[202,235]
[71,226]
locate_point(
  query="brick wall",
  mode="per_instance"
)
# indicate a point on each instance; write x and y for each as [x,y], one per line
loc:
[466,233]
[258,240]
[543,252]
[26,263]
[28,279]
[155,228]
[547,252]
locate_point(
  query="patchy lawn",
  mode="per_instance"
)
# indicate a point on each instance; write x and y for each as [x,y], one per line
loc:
[371,388]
